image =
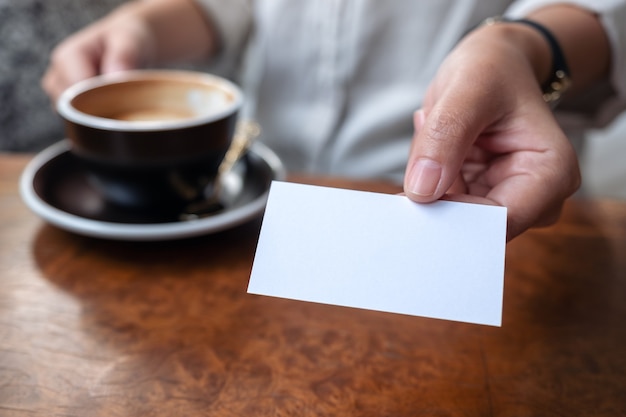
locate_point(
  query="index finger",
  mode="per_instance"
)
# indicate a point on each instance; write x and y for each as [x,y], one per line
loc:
[69,64]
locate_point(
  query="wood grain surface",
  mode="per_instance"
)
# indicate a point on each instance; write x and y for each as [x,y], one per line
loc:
[92,327]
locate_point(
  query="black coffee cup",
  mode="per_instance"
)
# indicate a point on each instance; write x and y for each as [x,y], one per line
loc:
[151,139]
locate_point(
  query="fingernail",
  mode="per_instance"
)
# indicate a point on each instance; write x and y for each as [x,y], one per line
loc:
[424,177]
[418,119]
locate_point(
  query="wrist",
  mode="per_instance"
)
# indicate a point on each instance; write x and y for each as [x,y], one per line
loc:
[541,49]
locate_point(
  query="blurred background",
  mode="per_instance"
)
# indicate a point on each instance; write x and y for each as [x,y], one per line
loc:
[603,161]
[29,29]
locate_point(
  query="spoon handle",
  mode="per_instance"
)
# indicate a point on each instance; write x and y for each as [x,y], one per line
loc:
[245,134]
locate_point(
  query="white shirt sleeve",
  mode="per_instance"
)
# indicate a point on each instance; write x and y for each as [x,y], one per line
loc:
[233,20]
[612,14]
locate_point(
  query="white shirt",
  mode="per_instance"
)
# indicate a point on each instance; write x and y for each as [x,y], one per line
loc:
[334,83]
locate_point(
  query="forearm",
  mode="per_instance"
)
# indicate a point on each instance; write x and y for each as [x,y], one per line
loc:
[583,41]
[578,32]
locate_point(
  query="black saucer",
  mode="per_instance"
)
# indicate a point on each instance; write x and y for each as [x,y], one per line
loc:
[55,186]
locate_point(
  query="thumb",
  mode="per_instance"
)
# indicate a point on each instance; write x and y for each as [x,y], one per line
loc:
[440,143]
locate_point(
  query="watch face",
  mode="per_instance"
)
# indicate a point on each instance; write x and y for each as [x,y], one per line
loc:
[559,84]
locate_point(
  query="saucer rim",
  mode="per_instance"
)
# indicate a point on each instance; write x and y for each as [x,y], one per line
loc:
[141,231]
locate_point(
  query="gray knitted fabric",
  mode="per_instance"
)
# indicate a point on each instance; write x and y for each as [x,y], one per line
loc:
[29,30]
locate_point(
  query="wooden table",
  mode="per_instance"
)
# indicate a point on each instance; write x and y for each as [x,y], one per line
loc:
[92,327]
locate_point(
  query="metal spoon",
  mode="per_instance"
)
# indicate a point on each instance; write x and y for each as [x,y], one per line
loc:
[214,194]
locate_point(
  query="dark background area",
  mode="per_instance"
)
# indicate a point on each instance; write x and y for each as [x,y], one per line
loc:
[29,30]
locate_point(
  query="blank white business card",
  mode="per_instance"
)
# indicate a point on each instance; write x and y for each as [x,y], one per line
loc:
[382,252]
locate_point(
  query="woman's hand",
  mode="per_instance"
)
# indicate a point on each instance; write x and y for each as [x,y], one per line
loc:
[118,42]
[485,134]
[137,34]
